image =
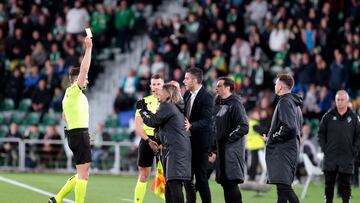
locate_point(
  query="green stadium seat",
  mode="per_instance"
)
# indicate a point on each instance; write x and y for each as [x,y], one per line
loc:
[119,134]
[4,129]
[33,118]
[24,105]
[7,104]
[112,121]
[4,120]
[17,117]
[22,129]
[51,119]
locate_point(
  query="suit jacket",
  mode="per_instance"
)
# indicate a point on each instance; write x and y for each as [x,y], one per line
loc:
[200,118]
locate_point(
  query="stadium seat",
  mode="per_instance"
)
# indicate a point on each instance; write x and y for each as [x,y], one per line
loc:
[24,105]
[125,117]
[311,171]
[4,120]
[112,121]
[7,105]
[119,134]
[51,119]
[33,118]
[17,117]
[4,129]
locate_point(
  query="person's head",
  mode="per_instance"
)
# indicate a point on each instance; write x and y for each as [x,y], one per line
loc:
[169,93]
[156,83]
[224,87]
[34,128]
[51,130]
[193,78]
[13,128]
[42,84]
[341,100]
[306,131]
[176,84]
[74,74]
[284,84]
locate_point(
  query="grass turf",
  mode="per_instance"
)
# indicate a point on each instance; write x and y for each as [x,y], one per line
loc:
[104,189]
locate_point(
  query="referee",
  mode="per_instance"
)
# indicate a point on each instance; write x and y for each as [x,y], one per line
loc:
[148,145]
[76,115]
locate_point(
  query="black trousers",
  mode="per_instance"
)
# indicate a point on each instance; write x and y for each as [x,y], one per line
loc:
[174,192]
[254,164]
[231,192]
[200,170]
[344,187]
[286,194]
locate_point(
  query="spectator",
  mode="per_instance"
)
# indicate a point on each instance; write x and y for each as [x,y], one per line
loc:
[240,53]
[130,82]
[100,151]
[77,19]
[338,72]
[40,98]
[278,37]
[11,148]
[124,22]
[50,152]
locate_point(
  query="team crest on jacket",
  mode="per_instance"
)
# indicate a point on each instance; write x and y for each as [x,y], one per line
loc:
[349,119]
[334,118]
[222,110]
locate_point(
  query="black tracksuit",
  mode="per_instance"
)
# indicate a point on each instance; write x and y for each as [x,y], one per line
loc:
[282,147]
[339,138]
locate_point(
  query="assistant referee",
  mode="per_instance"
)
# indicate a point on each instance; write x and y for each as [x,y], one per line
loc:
[76,115]
[148,144]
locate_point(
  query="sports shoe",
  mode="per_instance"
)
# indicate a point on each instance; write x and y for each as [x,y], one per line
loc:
[52,200]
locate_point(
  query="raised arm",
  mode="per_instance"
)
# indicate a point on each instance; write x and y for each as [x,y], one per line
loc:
[85,63]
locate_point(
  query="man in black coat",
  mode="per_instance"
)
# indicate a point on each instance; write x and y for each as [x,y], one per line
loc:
[339,138]
[231,124]
[282,147]
[198,110]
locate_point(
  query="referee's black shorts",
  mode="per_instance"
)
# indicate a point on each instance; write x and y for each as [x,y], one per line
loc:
[146,154]
[79,143]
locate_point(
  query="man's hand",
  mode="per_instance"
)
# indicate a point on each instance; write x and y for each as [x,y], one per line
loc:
[88,42]
[153,145]
[140,104]
[187,124]
[264,137]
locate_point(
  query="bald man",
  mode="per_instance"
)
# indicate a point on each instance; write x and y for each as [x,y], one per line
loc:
[339,138]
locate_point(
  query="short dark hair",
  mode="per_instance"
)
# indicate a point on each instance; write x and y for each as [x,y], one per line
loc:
[73,73]
[197,73]
[287,79]
[228,82]
[157,76]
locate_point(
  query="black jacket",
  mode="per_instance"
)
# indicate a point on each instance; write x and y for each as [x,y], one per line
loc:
[282,147]
[231,126]
[200,118]
[339,138]
[170,123]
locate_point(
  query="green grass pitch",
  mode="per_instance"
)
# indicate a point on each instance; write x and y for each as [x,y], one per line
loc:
[106,189]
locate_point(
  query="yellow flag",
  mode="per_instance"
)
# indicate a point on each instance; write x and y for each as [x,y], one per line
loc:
[158,186]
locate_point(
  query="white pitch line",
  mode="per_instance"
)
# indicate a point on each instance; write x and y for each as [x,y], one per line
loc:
[127,200]
[13,182]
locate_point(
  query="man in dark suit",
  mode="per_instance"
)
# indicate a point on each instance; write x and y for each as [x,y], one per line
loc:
[198,111]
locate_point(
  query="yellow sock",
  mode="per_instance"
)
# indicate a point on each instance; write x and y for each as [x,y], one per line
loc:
[69,185]
[140,191]
[80,190]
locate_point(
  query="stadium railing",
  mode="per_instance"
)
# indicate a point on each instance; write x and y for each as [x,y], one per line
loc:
[116,156]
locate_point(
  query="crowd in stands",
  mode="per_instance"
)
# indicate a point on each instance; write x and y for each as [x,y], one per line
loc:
[318,42]
[39,42]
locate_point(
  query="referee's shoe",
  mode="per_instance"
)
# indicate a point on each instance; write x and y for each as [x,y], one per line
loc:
[52,200]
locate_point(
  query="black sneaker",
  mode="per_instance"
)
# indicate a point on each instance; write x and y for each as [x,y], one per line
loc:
[52,200]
